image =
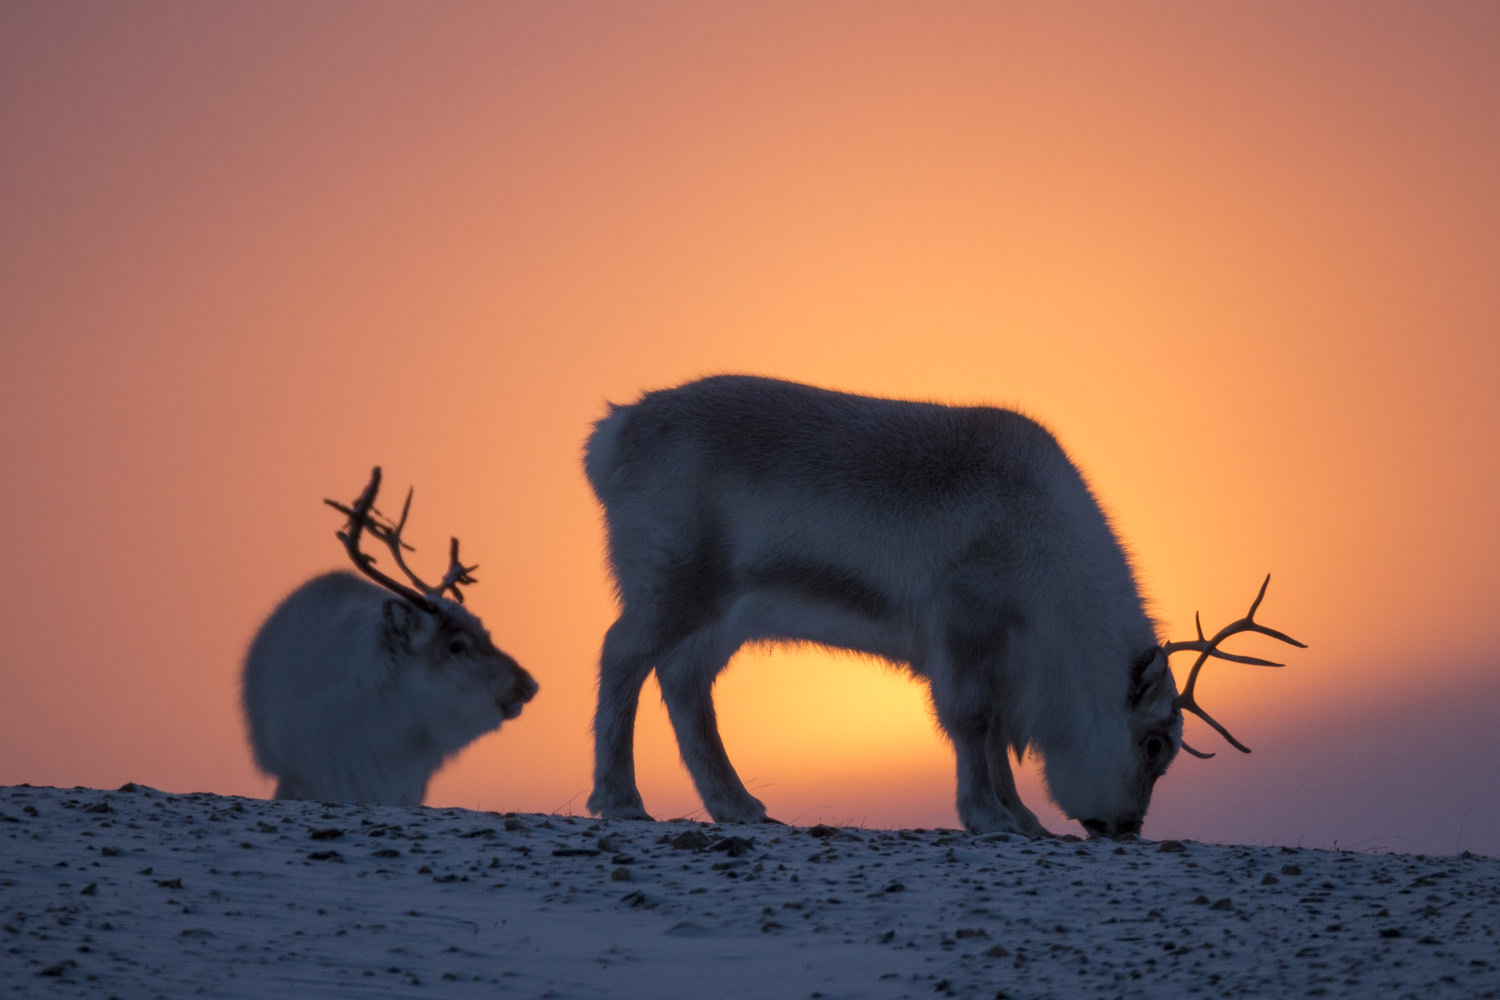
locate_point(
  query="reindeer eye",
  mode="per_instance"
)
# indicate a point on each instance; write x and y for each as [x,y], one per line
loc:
[1154,746]
[458,647]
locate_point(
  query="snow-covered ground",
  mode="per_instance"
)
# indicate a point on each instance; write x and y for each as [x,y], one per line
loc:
[136,893]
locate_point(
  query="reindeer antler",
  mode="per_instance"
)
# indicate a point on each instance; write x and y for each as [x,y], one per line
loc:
[1186,701]
[364,517]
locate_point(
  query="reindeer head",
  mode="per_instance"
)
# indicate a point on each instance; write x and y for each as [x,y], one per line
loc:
[1103,774]
[1155,712]
[451,658]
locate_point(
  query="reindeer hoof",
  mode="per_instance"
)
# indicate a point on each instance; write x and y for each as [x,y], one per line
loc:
[611,807]
[753,811]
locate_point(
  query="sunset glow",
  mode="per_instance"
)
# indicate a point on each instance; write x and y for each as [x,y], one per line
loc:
[1238,257]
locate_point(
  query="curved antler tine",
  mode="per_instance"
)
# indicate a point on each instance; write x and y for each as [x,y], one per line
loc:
[363,517]
[411,491]
[1255,604]
[457,574]
[359,516]
[1192,644]
[393,541]
[1253,625]
[367,498]
[1217,727]
[1186,697]
[1282,636]
[1206,648]
[359,520]
[1254,661]
[1188,702]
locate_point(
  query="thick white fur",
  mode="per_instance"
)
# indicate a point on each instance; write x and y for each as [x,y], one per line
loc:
[353,694]
[960,542]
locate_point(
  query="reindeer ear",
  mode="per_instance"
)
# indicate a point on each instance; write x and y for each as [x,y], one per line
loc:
[403,623]
[1146,674]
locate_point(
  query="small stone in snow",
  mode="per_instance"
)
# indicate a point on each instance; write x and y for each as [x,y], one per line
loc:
[690,840]
[59,968]
[734,846]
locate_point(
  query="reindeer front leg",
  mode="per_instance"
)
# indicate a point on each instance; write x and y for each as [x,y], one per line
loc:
[1003,782]
[979,807]
[987,799]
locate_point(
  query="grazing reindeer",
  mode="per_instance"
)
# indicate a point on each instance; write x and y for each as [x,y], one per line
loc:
[357,692]
[960,542]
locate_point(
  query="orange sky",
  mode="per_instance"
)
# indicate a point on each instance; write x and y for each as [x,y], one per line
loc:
[1240,257]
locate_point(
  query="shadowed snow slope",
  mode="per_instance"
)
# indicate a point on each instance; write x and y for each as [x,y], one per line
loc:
[137,893]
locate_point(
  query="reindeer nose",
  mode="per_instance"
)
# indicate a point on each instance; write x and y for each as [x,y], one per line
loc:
[527,686]
[1127,828]
[521,689]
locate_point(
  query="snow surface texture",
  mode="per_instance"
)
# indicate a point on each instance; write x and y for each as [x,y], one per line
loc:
[136,893]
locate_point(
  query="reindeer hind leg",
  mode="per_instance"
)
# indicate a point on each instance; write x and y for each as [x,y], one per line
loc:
[687,677]
[624,664]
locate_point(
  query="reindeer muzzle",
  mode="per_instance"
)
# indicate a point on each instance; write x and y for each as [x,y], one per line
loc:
[521,691]
[1128,828]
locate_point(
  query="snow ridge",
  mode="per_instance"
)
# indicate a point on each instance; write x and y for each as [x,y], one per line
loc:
[135,892]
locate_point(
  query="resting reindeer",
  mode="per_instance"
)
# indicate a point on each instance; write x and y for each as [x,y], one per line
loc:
[357,692]
[960,542]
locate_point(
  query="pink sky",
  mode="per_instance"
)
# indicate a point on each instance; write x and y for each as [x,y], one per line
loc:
[1239,257]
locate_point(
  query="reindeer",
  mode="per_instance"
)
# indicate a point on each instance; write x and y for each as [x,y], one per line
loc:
[358,691]
[960,542]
